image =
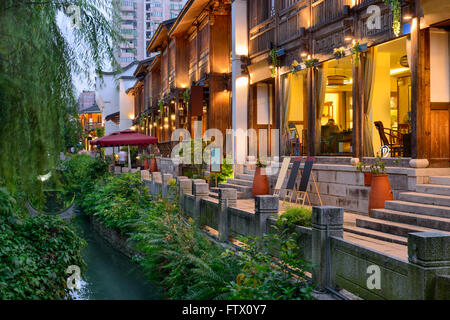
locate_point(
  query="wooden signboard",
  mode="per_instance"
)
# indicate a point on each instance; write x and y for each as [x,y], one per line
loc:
[196,101]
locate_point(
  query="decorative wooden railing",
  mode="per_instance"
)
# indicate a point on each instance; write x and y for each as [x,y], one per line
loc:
[292,19]
[165,148]
[324,11]
[261,36]
[292,16]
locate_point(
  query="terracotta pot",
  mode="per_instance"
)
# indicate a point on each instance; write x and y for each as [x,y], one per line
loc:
[260,183]
[153,165]
[367,179]
[380,191]
[145,164]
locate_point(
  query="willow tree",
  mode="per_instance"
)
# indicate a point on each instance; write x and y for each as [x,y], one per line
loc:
[37,62]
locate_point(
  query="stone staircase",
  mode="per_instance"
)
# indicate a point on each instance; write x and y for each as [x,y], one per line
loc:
[242,182]
[426,209]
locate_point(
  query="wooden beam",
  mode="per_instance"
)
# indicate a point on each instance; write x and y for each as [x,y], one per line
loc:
[311,111]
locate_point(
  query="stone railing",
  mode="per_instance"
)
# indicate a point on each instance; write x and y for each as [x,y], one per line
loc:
[337,263]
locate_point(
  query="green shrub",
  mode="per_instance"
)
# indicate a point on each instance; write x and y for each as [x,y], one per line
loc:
[117,199]
[265,278]
[225,173]
[295,216]
[35,253]
[180,256]
[81,173]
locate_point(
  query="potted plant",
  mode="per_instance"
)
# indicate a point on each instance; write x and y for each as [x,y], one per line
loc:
[260,181]
[380,190]
[145,158]
[339,53]
[153,167]
[364,168]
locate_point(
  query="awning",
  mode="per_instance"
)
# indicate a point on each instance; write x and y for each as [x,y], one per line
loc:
[125,138]
[259,71]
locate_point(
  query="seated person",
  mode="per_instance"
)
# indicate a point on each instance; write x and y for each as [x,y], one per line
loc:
[329,136]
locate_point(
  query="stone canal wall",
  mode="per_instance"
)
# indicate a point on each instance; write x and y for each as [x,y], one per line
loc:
[117,240]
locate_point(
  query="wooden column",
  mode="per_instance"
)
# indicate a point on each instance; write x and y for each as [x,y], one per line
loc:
[420,90]
[310,87]
[357,92]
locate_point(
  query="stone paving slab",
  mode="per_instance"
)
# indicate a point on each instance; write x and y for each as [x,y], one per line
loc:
[393,249]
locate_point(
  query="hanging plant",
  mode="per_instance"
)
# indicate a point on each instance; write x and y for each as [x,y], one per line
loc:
[339,53]
[161,106]
[396,10]
[356,50]
[295,66]
[311,62]
[274,56]
[187,95]
[143,116]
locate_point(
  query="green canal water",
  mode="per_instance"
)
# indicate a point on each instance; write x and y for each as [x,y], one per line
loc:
[109,274]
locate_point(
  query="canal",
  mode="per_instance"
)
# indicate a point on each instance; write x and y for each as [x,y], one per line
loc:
[109,274]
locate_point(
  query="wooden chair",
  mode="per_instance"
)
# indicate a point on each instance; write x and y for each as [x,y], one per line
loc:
[301,194]
[290,187]
[281,176]
[395,141]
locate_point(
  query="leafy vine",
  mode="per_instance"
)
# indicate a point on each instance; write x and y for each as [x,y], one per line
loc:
[396,10]
[274,56]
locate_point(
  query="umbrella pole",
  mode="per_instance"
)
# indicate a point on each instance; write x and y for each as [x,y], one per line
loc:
[129,158]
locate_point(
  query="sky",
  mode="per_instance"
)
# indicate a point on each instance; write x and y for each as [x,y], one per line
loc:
[80,81]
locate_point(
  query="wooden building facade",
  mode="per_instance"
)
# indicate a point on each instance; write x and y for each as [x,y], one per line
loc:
[338,79]
[186,85]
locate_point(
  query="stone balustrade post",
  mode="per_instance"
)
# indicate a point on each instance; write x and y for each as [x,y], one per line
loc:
[184,185]
[200,190]
[265,207]
[326,221]
[227,198]
[429,265]
[166,177]
[156,178]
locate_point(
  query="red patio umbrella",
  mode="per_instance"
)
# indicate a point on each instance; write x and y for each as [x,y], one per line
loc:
[125,138]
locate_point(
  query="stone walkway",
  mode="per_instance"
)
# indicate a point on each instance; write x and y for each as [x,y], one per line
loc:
[393,249]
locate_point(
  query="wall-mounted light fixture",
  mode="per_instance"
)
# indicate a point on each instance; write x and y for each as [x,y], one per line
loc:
[408,13]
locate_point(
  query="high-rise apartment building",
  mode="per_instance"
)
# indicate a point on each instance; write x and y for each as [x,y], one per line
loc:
[140,19]
[86,99]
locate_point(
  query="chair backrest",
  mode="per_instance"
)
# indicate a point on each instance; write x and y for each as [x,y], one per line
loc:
[380,128]
[306,173]
[282,174]
[294,172]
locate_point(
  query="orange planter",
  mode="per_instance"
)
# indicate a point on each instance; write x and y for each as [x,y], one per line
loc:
[379,192]
[367,179]
[153,165]
[145,164]
[260,183]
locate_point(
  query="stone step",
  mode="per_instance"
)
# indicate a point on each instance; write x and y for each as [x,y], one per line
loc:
[395,228]
[243,176]
[433,189]
[441,180]
[412,219]
[240,182]
[376,235]
[214,195]
[246,192]
[419,208]
[426,198]
[249,171]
